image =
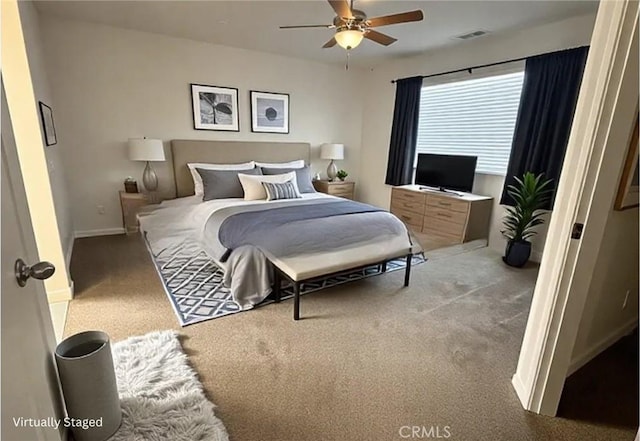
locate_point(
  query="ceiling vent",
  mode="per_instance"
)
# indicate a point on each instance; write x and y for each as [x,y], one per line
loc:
[470,35]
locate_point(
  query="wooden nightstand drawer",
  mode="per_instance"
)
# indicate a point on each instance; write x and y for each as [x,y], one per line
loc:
[408,217]
[340,188]
[448,203]
[446,214]
[443,227]
[408,196]
[346,195]
[412,206]
[336,188]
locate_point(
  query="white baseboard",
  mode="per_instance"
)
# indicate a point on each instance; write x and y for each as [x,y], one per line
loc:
[596,349]
[59,312]
[67,257]
[103,232]
[521,391]
[61,295]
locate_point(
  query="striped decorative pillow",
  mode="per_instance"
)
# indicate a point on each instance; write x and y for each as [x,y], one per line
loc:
[285,190]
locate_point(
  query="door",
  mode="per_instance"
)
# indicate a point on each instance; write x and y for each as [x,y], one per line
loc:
[30,389]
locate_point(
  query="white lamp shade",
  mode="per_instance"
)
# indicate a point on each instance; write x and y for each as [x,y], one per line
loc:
[349,39]
[143,149]
[332,151]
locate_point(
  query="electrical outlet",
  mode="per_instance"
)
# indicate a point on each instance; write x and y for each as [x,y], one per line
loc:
[100,209]
[626,299]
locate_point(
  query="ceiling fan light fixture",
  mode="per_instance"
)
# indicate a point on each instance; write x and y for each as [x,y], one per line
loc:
[349,38]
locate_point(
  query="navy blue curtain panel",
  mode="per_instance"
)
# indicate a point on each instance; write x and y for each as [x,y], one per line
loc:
[404,132]
[547,104]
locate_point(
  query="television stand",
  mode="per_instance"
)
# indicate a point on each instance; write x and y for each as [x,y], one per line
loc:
[460,217]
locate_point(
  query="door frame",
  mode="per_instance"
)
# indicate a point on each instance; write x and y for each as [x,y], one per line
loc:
[595,155]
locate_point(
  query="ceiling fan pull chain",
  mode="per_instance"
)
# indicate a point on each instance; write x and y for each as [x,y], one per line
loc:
[346,67]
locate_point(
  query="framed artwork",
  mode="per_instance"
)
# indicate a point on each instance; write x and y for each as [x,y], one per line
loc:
[215,108]
[46,115]
[269,112]
[628,190]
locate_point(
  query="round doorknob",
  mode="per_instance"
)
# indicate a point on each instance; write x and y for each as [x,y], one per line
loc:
[40,271]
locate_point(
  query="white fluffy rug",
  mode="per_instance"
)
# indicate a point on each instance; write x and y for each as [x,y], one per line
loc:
[160,394]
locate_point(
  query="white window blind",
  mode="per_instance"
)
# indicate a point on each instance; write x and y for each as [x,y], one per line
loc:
[472,117]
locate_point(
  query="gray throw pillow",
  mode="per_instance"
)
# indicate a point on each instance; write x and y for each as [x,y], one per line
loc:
[303,176]
[276,191]
[222,184]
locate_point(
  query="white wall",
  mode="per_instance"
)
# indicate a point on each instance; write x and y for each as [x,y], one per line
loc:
[605,318]
[42,91]
[380,93]
[112,84]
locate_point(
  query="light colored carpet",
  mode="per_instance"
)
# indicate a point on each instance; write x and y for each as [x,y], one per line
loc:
[367,359]
[160,394]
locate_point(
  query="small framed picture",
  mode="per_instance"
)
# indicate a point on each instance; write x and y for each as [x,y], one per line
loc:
[46,115]
[215,108]
[269,112]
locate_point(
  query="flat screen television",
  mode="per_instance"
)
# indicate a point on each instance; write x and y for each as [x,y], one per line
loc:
[446,172]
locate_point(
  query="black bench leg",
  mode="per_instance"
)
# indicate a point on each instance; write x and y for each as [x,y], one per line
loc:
[384,267]
[296,300]
[407,270]
[277,282]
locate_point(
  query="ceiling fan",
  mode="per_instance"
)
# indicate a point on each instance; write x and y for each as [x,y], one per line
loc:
[352,25]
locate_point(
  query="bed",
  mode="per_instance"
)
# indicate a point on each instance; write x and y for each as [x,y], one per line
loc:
[260,243]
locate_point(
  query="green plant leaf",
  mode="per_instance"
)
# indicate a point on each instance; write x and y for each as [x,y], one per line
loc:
[529,194]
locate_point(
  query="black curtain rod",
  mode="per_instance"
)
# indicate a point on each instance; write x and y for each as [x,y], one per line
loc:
[470,69]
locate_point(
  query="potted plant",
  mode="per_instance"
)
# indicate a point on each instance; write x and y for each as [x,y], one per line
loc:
[530,194]
[342,175]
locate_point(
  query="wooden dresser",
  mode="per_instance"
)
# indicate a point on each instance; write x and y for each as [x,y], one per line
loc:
[460,218]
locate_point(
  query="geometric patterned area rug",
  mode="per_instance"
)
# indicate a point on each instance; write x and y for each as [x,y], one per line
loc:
[193,282]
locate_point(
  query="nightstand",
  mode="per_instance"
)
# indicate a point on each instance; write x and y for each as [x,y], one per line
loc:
[343,189]
[131,204]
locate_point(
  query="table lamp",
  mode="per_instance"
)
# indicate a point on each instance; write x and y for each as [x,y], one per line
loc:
[332,152]
[147,150]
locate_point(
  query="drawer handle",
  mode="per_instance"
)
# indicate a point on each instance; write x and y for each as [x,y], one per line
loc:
[405,218]
[444,215]
[446,204]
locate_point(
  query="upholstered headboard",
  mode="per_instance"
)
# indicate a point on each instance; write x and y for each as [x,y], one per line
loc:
[229,152]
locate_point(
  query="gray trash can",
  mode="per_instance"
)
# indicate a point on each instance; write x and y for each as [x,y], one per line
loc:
[89,386]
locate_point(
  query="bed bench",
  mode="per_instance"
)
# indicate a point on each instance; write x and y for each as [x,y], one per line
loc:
[285,272]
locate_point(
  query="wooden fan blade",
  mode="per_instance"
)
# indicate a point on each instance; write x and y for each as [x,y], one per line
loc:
[404,17]
[342,8]
[379,37]
[307,26]
[330,43]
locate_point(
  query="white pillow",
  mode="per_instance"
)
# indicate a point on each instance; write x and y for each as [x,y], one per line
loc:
[197,179]
[291,164]
[252,184]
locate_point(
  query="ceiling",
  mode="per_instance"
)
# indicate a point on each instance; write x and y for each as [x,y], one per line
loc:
[254,24]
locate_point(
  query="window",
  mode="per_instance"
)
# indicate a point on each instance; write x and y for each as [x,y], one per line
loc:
[472,117]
